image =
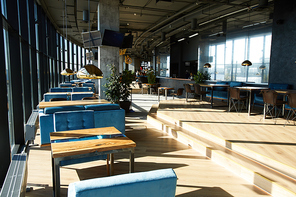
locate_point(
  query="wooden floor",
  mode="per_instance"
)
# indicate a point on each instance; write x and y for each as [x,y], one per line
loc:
[269,138]
[197,175]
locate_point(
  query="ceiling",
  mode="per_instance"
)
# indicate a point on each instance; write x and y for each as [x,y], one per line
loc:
[161,22]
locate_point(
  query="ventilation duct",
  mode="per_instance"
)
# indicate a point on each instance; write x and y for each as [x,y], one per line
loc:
[263,3]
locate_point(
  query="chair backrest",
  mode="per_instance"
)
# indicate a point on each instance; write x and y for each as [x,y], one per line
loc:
[180,91]
[269,96]
[197,89]
[187,88]
[234,93]
[57,99]
[292,100]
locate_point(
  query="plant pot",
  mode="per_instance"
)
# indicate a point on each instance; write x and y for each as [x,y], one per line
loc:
[125,105]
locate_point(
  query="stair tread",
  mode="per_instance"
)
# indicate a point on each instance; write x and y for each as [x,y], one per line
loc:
[273,175]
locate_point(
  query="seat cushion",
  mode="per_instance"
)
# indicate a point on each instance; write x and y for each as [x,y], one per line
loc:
[278,86]
[102,107]
[73,120]
[235,84]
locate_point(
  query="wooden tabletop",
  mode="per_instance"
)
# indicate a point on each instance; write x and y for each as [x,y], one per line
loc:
[44,104]
[165,88]
[70,148]
[214,85]
[252,88]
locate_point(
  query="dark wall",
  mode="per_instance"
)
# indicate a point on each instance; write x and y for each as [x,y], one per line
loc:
[283,49]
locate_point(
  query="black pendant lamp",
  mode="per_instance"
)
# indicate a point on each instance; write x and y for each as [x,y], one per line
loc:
[207,65]
[246,63]
[89,71]
[67,72]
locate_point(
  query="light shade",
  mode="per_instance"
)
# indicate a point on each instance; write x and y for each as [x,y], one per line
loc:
[246,63]
[89,71]
[207,65]
[67,72]
[262,67]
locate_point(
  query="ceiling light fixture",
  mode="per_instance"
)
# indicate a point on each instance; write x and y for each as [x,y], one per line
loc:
[181,39]
[191,36]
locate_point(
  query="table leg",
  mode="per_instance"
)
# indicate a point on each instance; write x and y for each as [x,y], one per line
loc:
[111,164]
[166,93]
[212,92]
[132,161]
[56,177]
[158,95]
[250,99]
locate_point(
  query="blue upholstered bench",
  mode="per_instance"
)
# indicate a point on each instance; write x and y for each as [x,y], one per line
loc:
[156,183]
[102,115]
[222,92]
[258,98]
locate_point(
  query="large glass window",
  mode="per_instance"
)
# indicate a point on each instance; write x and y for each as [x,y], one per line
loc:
[226,59]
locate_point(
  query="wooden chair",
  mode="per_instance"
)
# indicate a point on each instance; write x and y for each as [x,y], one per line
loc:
[188,91]
[271,103]
[291,107]
[236,99]
[198,91]
[57,99]
[178,93]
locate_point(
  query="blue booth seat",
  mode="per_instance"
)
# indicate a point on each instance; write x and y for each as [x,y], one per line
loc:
[156,183]
[258,98]
[82,89]
[63,85]
[222,92]
[78,95]
[60,90]
[54,119]
[47,96]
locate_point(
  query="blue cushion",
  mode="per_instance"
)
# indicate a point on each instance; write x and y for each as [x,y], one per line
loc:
[73,120]
[102,107]
[60,90]
[157,183]
[51,110]
[278,86]
[235,84]
[221,88]
[82,89]
[78,96]
[47,96]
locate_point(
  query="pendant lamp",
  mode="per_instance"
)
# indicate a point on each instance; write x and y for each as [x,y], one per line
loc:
[246,63]
[89,71]
[207,65]
[67,72]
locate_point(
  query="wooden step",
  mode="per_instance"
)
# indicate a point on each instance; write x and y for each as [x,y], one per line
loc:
[277,165]
[273,182]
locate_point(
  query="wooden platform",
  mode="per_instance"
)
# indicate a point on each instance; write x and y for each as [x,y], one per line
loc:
[197,175]
[230,137]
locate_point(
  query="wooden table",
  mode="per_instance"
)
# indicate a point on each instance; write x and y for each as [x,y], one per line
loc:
[250,89]
[147,84]
[166,91]
[73,144]
[44,104]
[212,89]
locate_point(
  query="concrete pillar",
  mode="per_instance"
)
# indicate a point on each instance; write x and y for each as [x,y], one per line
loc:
[108,18]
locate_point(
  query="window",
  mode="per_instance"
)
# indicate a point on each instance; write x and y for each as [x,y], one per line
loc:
[226,59]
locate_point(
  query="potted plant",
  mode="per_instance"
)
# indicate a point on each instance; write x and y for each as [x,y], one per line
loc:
[201,77]
[118,88]
[151,78]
